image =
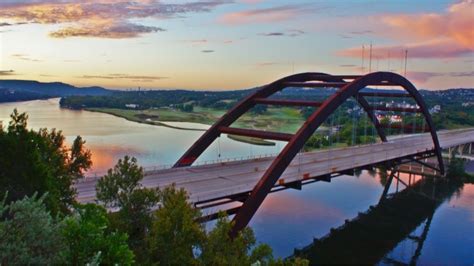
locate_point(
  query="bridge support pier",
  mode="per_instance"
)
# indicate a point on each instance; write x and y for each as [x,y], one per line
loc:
[325,178]
[294,185]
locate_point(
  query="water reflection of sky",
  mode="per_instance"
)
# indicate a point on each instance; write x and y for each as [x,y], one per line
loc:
[450,239]
[291,219]
[110,138]
[288,219]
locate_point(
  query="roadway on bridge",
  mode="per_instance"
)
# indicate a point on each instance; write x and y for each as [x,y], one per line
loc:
[214,181]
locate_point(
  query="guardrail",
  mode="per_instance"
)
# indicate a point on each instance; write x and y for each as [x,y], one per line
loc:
[152,169]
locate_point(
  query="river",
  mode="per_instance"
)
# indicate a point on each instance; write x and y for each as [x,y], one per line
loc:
[288,219]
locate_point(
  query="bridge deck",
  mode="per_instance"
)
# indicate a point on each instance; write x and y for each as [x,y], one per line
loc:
[214,181]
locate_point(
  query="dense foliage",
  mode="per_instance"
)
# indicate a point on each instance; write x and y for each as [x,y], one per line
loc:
[120,188]
[456,169]
[145,226]
[17,96]
[39,162]
[174,234]
[456,105]
[29,234]
[171,235]
[180,99]
[87,235]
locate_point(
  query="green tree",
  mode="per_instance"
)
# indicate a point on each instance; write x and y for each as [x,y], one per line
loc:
[316,141]
[39,161]
[456,168]
[175,234]
[87,235]
[290,262]
[220,249]
[259,109]
[120,189]
[29,234]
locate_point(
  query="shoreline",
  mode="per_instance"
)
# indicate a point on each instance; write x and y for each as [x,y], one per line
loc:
[151,122]
[248,140]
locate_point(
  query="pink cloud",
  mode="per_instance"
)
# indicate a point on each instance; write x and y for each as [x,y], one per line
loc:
[434,49]
[428,35]
[422,77]
[457,25]
[265,15]
[101,18]
[251,1]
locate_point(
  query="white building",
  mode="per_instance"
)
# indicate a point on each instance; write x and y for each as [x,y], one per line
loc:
[132,105]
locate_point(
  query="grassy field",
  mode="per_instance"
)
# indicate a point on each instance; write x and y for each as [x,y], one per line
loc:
[285,120]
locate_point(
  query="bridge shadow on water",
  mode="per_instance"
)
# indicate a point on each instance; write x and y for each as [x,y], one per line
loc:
[369,237]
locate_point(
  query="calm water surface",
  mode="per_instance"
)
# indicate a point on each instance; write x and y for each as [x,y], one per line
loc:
[288,219]
[110,138]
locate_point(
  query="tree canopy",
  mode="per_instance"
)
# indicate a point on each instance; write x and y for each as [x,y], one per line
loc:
[39,161]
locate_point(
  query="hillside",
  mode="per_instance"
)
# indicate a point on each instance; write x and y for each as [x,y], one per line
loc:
[22,90]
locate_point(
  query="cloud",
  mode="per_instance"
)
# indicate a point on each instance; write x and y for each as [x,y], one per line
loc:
[124,76]
[251,1]
[462,74]
[101,18]
[7,73]
[455,25]
[112,31]
[272,34]
[202,42]
[361,32]
[207,51]
[25,57]
[47,76]
[264,64]
[431,49]
[422,77]
[267,15]
[6,24]
[353,34]
[425,35]
[289,33]
[197,41]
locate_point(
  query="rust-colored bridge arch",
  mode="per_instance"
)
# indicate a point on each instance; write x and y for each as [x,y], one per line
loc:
[350,86]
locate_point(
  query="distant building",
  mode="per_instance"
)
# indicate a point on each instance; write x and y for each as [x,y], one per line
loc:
[132,105]
[391,118]
[395,119]
[435,109]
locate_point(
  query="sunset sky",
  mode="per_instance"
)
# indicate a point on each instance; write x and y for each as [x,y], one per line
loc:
[225,44]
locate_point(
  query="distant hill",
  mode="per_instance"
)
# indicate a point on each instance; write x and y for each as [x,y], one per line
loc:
[22,90]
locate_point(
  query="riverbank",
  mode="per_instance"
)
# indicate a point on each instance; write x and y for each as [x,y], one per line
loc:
[139,119]
[255,141]
[285,120]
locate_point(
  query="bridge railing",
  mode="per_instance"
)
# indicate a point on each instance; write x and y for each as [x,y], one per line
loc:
[149,170]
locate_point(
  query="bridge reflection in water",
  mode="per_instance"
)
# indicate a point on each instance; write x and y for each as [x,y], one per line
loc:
[370,237]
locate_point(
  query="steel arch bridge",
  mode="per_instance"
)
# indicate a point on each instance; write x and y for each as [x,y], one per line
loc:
[350,86]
